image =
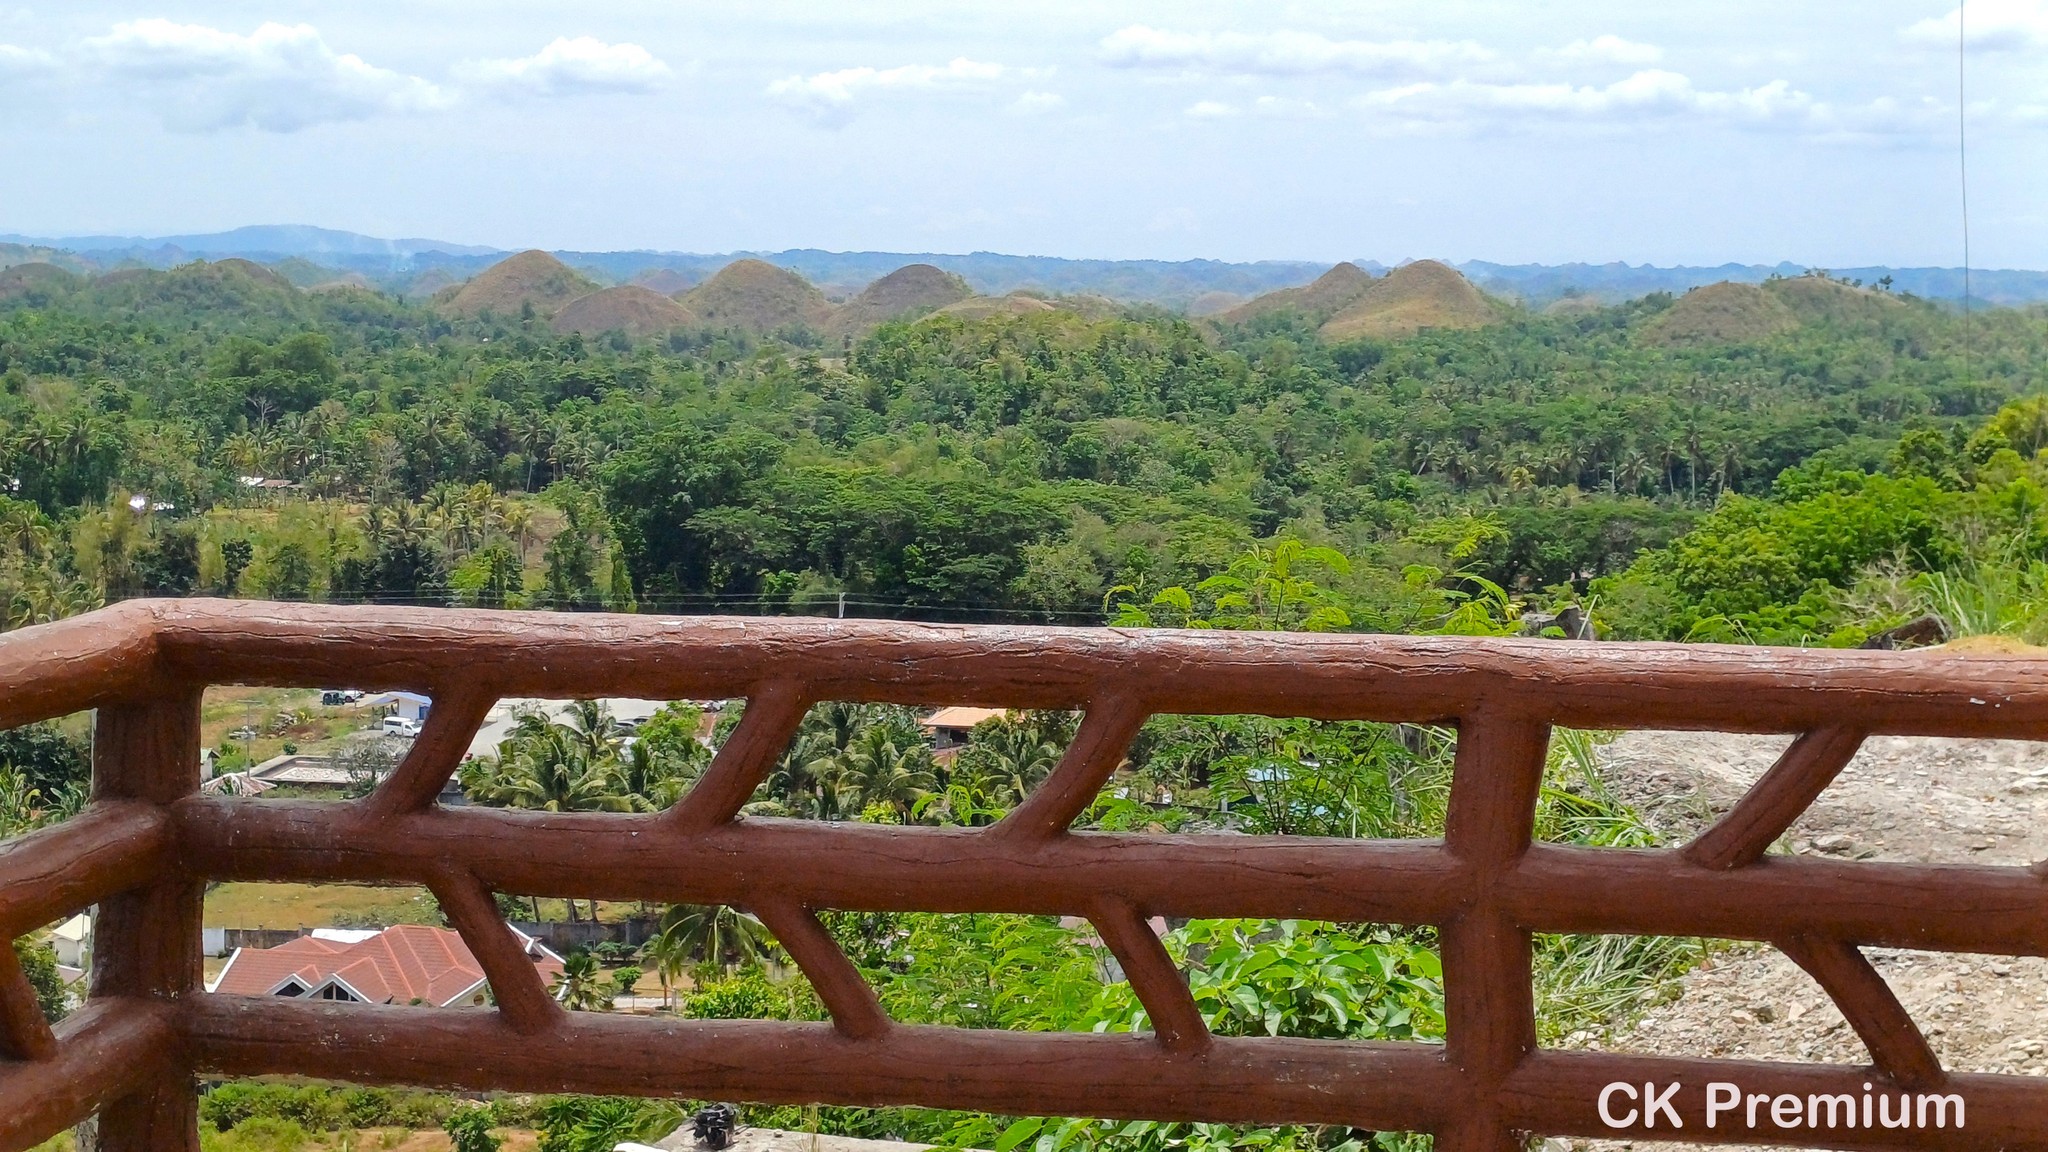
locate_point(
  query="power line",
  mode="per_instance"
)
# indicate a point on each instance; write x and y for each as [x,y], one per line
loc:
[1963,168]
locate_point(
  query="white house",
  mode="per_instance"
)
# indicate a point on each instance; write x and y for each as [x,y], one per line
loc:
[410,705]
[72,941]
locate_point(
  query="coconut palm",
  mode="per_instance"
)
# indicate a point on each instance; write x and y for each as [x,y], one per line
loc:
[887,772]
[548,767]
[578,985]
[717,934]
[1009,756]
[668,955]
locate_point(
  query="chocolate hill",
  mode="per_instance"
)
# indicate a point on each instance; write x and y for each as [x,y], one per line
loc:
[512,283]
[629,308]
[38,279]
[911,290]
[755,296]
[1724,313]
[983,307]
[1424,294]
[1818,299]
[1329,294]
[253,271]
[666,281]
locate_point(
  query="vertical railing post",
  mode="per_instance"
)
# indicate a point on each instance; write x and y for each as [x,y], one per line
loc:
[1489,1000]
[147,941]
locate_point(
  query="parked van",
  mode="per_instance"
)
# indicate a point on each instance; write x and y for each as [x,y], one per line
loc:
[401,726]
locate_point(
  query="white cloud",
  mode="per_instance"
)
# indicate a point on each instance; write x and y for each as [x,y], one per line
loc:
[1287,53]
[830,96]
[1210,110]
[1991,26]
[570,67]
[842,86]
[1603,50]
[1651,94]
[279,78]
[23,61]
[1037,103]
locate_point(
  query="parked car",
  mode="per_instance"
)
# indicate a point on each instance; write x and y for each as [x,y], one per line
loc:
[401,726]
[334,697]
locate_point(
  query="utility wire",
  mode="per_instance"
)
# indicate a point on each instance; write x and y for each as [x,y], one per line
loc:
[1963,169]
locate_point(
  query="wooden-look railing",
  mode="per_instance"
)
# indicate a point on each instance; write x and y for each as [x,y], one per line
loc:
[148,843]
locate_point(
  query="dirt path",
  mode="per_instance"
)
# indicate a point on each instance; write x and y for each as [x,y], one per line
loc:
[1927,801]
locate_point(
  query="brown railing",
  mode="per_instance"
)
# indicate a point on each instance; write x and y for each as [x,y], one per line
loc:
[147,844]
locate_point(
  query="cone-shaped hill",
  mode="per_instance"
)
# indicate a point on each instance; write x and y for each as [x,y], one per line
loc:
[756,296]
[1425,294]
[1326,296]
[506,287]
[983,307]
[1573,306]
[911,290]
[629,308]
[23,281]
[253,271]
[666,281]
[1723,313]
[1817,298]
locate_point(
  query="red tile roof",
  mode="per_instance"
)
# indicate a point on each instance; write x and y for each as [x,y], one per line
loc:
[396,966]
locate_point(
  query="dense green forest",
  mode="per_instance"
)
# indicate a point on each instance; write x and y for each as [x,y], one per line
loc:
[212,429]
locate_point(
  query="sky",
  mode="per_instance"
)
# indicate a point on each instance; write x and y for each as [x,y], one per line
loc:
[1693,132]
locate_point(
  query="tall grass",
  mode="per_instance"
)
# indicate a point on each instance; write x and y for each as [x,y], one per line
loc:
[1585,983]
[1998,587]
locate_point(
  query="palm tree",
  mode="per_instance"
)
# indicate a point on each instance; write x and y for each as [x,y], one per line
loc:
[548,767]
[578,985]
[591,723]
[668,954]
[1009,756]
[717,934]
[888,774]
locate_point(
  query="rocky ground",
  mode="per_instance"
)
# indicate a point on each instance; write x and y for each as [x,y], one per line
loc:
[1945,801]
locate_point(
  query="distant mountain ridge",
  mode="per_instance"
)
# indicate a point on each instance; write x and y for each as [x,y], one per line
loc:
[401,264]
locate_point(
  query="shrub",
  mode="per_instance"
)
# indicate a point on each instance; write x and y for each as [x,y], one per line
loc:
[470,1130]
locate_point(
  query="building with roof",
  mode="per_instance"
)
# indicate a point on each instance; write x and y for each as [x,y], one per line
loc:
[949,726]
[314,773]
[407,964]
[72,941]
[409,705]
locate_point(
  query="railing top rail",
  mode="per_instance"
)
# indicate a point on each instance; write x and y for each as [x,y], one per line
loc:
[121,653]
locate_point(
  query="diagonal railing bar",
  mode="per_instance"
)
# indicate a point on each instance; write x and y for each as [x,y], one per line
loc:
[1489,1001]
[856,1012]
[24,1033]
[1897,1046]
[1107,729]
[452,722]
[773,712]
[1153,976]
[515,982]
[1791,786]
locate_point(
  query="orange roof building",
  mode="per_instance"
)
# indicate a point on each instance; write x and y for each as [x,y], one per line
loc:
[408,964]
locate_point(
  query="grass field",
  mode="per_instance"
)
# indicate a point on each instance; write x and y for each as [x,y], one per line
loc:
[317,906]
[352,906]
[225,709]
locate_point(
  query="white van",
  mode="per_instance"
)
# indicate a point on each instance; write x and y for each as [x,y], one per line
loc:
[401,726]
